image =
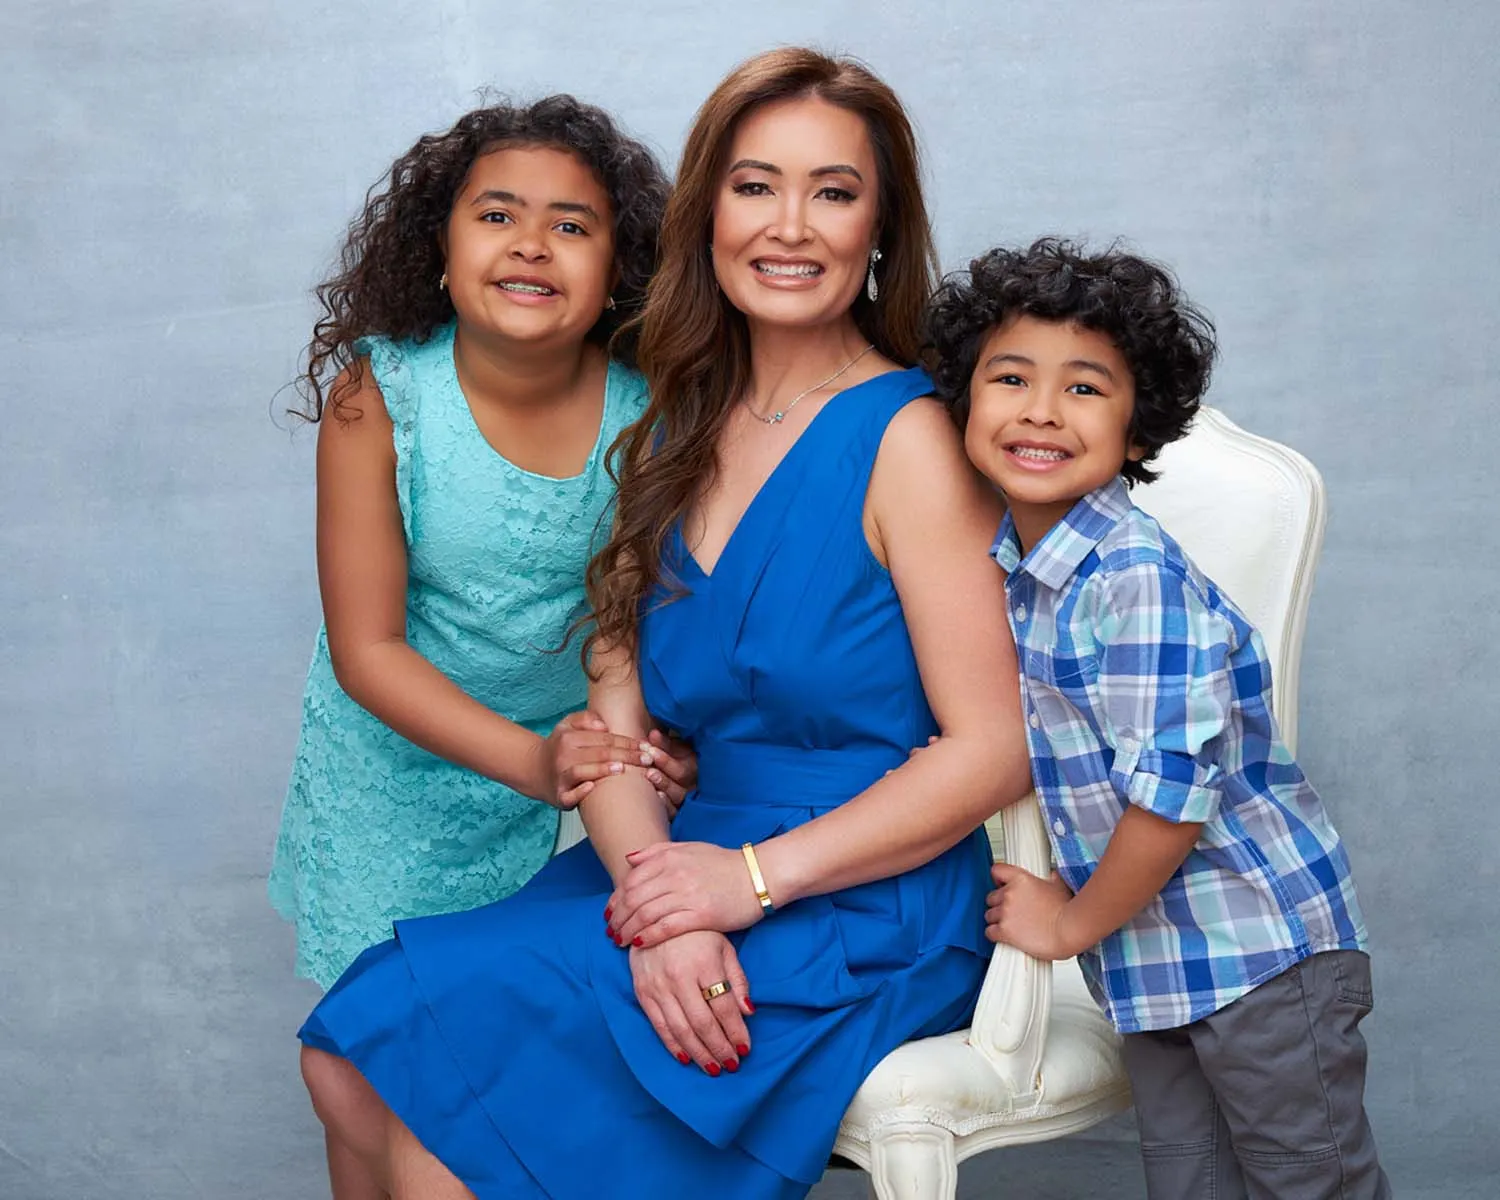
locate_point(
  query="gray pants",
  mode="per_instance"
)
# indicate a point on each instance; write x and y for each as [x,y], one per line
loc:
[1264,1098]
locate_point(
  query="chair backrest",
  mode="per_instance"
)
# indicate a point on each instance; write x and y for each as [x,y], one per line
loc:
[1250,512]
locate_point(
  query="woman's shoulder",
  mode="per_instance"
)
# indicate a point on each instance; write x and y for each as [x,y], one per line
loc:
[888,392]
[922,451]
[875,403]
[921,434]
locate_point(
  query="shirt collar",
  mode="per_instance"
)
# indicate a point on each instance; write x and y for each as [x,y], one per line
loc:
[1056,558]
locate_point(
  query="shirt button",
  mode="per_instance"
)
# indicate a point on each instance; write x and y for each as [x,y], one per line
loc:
[1020,612]
[1034,721]
[1058,827]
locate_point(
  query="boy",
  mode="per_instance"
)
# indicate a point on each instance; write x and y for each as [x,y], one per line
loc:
[1202,887]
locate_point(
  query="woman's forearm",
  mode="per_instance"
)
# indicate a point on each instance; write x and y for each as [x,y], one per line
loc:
[908,818]
[403,689]
[622,813]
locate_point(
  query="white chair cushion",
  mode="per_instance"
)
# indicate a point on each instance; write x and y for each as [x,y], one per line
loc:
[955,1087]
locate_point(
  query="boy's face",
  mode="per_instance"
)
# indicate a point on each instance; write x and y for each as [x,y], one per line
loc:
[1049,406]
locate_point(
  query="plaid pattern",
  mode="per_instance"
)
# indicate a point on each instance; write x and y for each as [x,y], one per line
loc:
[1143,684]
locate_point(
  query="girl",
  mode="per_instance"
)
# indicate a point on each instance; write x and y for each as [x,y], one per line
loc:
[461,483]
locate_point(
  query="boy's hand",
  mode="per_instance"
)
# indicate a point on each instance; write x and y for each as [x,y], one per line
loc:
[1026,912]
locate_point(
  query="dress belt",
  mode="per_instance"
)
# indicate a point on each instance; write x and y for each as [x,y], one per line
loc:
[736,774]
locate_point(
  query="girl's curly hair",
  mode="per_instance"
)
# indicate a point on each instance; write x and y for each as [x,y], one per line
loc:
[1167,342]
[387,278]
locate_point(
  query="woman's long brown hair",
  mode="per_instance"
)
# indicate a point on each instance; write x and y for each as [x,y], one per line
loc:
[694,346]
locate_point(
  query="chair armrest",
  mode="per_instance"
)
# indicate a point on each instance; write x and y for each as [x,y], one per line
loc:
[570,830]
[1010,1020]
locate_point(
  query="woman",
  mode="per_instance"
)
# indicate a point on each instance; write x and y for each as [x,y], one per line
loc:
[798,541]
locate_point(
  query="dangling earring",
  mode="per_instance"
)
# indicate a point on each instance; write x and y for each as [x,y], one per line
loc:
[443,282]
[872,288]
[609,302]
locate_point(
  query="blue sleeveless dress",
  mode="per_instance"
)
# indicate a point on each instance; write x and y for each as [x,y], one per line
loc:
[374,828]
[509,1039]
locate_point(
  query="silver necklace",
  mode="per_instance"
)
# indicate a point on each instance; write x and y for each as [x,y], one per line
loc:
[777,417]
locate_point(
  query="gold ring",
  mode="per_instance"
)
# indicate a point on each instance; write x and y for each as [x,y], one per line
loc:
[714,990]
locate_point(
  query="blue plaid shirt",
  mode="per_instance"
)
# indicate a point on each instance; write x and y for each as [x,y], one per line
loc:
[1143,684]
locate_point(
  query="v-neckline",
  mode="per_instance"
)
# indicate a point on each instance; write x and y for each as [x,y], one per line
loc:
[765,484]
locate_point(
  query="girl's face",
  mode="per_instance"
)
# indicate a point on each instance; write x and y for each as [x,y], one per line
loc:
[530,248]
[795,216]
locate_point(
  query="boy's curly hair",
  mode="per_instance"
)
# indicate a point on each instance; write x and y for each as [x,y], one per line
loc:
[387,279]
[1167,342]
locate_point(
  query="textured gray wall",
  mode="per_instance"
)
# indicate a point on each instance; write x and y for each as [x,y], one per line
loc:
[176,176]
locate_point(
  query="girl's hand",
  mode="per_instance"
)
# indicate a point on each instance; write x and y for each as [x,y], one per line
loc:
[670,980]
[1026,911]
[674,888]
[581,750]
[674,770]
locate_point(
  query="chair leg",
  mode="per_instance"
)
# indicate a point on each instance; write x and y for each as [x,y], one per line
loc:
[914,1162]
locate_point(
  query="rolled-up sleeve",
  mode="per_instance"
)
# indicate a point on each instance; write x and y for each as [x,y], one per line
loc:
[1164,682]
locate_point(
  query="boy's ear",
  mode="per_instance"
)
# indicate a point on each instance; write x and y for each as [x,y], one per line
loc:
[1134,453]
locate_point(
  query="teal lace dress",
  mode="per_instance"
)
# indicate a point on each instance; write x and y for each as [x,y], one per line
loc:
[375,829]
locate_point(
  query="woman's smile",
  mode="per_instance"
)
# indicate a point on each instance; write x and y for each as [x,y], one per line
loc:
[783,273]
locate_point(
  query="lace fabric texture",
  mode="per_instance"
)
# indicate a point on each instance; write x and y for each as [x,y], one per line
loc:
[374,829]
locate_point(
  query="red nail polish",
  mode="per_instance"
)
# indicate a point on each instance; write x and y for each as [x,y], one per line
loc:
[742,1050]
[731,1065]
[683,1058]
[609,932]
[712,1069]
[609,912]
[749,1008]
[637,943]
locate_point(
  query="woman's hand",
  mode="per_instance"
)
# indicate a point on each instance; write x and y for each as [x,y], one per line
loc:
[674,888]
[670,981]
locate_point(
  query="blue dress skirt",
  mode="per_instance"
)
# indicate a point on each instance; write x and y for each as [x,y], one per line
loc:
[508,1038]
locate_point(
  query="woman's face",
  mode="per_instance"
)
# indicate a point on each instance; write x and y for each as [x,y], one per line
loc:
[795,216]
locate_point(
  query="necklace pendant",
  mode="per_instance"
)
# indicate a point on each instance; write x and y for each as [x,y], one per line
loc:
[776,418]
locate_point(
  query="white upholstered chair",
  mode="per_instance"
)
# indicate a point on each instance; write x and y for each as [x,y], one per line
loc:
[569,831]
[1041,1061]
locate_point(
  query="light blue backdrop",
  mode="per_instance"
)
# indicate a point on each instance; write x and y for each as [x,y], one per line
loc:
[1324,176]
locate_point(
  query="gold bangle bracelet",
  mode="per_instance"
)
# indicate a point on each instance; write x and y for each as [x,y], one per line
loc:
[757,880]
